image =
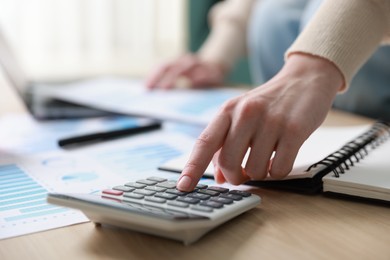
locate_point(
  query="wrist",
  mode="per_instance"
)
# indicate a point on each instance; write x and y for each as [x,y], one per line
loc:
[306,65]
[218,65]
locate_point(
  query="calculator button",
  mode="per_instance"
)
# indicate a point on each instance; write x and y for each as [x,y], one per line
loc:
[240,193]
[155,199]
[145,192]
[219,189]
[167,184]
[112,192]
[231,196]
[135,185]
[188,200]
[176,192]
[178,204]
[202,208]
[201,186]
[123,188]
[211,204]
[199,196]
[208,192]
[222,200]
[155,188]
[156,179]
[166,196]
[133,195]
[147,182]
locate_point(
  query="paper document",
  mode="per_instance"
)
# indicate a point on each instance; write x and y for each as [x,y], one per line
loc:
[23,207]
[21,134]
[131,97]
[27,175]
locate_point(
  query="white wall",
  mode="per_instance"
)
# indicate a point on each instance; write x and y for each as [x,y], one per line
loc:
[78,37]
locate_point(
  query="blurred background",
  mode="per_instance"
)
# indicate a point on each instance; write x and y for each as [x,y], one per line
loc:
[79,38]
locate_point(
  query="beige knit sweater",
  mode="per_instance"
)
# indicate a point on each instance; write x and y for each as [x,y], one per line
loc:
[346,32]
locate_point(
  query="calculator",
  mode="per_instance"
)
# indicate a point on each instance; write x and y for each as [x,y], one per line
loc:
[153,205]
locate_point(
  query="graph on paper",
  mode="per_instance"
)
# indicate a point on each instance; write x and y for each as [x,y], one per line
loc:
[23,205]
[25,182]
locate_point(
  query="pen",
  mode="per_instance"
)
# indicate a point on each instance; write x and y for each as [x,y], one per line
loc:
[101,136]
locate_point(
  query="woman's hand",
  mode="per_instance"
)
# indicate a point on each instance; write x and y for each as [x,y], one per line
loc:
[273,120]
[195,71]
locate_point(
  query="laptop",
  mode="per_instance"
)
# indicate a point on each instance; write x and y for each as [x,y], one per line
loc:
[35,94]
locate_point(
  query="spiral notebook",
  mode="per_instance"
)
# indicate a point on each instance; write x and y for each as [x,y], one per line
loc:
[364,168]
[354,161]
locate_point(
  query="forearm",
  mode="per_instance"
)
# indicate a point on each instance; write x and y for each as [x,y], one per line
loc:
[227,40]
[345,32]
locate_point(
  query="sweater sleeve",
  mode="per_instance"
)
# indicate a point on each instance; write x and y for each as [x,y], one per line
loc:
[345,32]
[227,40]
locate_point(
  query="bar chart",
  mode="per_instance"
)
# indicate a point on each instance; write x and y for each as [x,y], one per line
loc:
[23,207]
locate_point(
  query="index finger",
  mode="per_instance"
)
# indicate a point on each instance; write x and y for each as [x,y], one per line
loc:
[207,144]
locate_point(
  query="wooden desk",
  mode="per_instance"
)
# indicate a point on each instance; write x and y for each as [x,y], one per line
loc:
[284,226]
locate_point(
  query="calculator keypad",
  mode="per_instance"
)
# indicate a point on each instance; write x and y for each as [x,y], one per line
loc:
[159,191]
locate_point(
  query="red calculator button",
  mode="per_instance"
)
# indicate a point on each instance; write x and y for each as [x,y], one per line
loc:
[113,192]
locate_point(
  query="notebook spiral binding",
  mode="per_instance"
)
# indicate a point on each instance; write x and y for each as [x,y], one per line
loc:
[355,150]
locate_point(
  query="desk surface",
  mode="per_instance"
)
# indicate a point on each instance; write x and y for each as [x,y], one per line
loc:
[285,226]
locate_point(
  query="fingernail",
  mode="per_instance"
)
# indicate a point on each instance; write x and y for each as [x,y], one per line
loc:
[184,183]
